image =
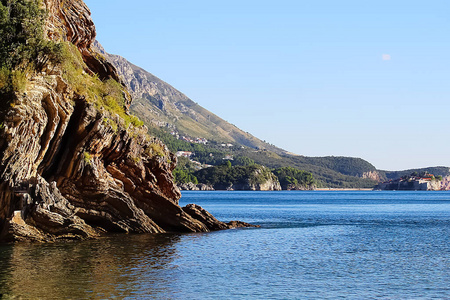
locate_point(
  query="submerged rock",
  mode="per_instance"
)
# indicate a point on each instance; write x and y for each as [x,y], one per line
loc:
[200,214]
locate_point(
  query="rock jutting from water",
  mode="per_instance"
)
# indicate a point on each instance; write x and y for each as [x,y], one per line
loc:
[72,170]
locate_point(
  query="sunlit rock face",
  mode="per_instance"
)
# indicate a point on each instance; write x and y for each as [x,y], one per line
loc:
[69,170]
[71,21]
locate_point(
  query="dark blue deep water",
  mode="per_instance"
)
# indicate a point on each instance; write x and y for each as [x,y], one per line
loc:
[312,245]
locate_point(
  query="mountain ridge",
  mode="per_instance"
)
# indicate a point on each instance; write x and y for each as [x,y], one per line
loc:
[159,104]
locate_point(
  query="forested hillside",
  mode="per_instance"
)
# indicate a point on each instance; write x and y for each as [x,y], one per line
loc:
[336,172]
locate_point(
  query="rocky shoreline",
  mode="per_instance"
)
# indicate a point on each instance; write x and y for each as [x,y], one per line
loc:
[71,169]
[204,187]
[195,187]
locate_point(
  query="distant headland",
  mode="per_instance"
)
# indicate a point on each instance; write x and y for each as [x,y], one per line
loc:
[415,182]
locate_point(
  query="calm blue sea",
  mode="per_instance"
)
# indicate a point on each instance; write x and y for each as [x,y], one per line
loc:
[312,245]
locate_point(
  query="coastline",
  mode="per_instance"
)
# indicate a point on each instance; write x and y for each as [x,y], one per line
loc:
[317,189]
[343,189]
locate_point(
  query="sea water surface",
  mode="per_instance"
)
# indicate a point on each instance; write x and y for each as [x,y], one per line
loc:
[311,245]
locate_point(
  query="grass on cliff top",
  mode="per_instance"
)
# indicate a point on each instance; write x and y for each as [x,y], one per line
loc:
[25,51]
[108,95]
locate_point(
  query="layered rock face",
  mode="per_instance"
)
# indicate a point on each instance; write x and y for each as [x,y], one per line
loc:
[68,171]
[71,21]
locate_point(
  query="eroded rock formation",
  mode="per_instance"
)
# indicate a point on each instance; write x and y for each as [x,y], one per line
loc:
[69,170]
[71,21]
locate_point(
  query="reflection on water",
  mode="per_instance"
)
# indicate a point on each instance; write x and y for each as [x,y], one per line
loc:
[107,268]
[311,245]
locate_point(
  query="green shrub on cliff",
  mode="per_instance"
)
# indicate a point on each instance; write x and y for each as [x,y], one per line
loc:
[25,50]
[23,46]
[87,158]
[108,94]
[12,81]
[155,149]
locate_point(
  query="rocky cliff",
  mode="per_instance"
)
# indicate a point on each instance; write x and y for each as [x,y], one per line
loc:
[70,169]
[261,180]
[373,175]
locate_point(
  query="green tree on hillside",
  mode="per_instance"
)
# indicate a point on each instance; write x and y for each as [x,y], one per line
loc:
[184,172]
[243,161]
[291,178]
[226,175]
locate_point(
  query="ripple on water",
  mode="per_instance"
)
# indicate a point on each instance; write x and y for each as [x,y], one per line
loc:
[311,245]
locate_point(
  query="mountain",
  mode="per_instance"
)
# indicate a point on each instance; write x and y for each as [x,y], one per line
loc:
[158,103]
[165,109]
[74,163]
[162,106]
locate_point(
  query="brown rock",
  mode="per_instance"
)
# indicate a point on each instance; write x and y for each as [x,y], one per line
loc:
[200,214]
[240,224]
[66,173]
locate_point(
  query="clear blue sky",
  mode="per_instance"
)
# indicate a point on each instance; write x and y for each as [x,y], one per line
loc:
[368,79]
